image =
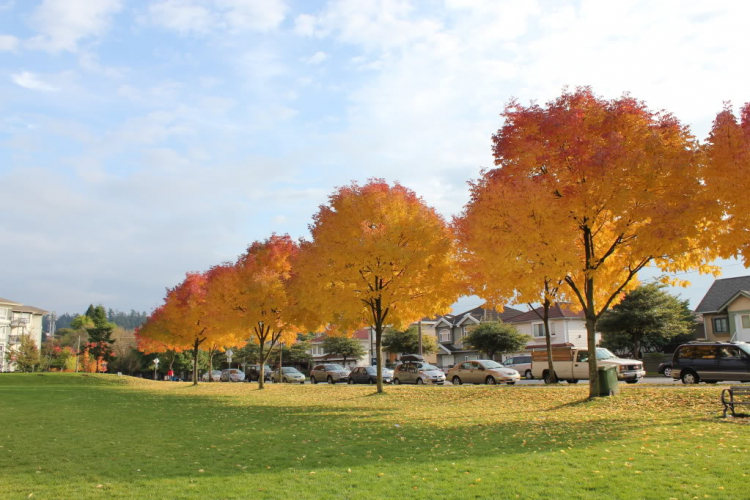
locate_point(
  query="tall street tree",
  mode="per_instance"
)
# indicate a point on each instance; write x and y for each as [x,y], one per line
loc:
[495,337]
[344,347]
[252,296]
[646,319]
[379,256]
[407,341]
[622,185]
[726,178]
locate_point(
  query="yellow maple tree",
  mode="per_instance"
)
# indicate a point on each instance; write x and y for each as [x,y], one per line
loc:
[379,256]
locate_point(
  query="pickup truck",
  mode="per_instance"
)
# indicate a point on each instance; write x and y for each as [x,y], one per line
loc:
[572,364]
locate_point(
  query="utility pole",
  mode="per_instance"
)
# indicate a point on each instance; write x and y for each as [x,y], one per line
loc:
[419,327]
[78,352]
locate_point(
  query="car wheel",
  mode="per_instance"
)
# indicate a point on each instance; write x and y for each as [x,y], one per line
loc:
[528,375]
[710,381]
[313,381]
[456,380]
[490,380]
[511,383]
[633,381]
[668,372]
[420,381]
[396,381]
[350,381]
[573,381]
[546,376]
[330,379]
[371,381]
[690,377]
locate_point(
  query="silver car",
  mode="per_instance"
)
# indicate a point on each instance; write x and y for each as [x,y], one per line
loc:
[232,375]
[329,372]
[289,375]
[418,372]
[521,364]
[215,376]
[482,371]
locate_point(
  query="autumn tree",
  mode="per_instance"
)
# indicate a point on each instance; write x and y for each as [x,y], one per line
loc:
[495,337]
[620,185]
[344,347]
[379,256]
[646,319]
[25,355]
[252,296]
[504,245]
[726,174]
[407,341]
[186,321]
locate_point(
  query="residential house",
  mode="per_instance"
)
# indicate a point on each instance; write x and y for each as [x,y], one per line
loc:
[451,329]
[16,320]
[366,336]
[726,310]
[567,327]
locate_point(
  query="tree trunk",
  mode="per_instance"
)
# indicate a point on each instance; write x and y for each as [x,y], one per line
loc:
[378,345]
[195,362]
[545,320]
[262,369]
[593,371]
[637,345]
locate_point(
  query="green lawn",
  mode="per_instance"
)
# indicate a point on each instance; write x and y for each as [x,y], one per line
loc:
[74,436]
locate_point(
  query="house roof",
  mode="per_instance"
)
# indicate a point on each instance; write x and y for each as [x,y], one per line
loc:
[362,334]
[721,291]
[29,309]
[11,302]
[488,314]
[557,311]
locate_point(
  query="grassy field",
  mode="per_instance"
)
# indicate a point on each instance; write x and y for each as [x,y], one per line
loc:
[74,436]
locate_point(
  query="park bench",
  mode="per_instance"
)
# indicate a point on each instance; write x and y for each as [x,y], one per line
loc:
[735,396]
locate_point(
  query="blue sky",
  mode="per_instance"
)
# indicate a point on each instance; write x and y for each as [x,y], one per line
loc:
[143,139]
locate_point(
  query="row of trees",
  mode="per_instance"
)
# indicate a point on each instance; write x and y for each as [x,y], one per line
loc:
[586,193]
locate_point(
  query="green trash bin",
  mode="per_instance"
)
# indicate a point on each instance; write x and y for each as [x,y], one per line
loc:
[608,385]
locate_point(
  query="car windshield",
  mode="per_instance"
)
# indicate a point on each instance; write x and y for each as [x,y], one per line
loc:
[334,368]
[491,364]
[745,348]
[602,353]
[289,369]
[427,367]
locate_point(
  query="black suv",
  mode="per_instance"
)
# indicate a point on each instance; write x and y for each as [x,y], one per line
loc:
[711,362]
[253,373]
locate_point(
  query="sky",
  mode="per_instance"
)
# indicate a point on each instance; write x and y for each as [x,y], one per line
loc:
[143,139]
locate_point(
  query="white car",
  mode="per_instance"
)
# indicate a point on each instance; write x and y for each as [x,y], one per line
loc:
[232,375]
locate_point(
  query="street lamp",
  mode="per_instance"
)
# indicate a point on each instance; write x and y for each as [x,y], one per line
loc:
[156,365]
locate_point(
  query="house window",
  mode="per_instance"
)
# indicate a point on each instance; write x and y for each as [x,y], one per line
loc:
[463,331]
[4,313]
[721,325]
[445,335]
[539,330]
[745,321]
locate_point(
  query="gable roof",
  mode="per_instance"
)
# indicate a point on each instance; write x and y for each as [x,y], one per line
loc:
[557,311]
[721,292]
[29,309]
[488,314]
[9,302]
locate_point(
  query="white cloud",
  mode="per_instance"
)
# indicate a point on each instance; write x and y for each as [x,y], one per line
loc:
[316,58]
[8,43]
[304,24]
[62,24]
[29,80]
[204,16]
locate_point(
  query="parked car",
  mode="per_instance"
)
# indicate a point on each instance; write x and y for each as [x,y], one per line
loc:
[215,376]
[711,362]
[482,371]
[665,369]
[418,372]
[572,364]
[330,372]
[369,375]
[289,375]
[521,364]
[232,375]
[446,368]
[253,373]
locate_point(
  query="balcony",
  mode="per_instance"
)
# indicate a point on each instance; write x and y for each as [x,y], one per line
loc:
[19,321]
[14,339]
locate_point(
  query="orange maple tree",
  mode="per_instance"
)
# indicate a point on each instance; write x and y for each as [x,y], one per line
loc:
[251,296]
[616,185]
[185,320]
[726,178]
[379,256]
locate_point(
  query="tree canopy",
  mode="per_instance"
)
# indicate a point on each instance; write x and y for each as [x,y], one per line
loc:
[407,341]
[346,347]
[378,256]
[646,320]
[495,337]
